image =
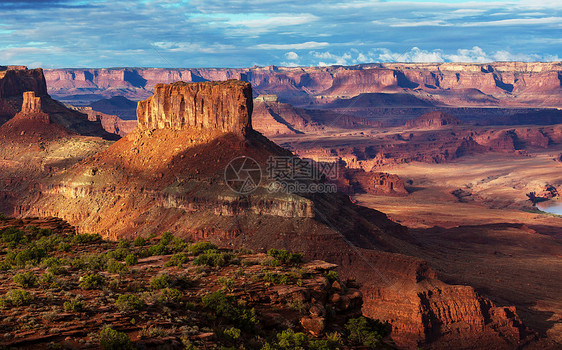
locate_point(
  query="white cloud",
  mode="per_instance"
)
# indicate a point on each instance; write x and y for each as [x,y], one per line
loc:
[292,55]
[301,46]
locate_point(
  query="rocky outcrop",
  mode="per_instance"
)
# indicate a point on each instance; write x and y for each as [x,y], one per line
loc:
[433,120]
[355,181]
[221,106]
[15,80]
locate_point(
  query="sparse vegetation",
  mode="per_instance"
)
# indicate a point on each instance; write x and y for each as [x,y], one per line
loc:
[367,332]
[41,279]
[129,302]
[110,339]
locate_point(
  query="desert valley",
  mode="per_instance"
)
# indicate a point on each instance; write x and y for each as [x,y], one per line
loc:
[444,227]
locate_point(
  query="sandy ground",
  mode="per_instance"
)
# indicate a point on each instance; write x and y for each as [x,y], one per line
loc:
[492,243]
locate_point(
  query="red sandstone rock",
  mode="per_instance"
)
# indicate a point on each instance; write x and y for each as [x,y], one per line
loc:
[433,120]
[222,106]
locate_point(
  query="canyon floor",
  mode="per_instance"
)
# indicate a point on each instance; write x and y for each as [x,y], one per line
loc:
[510,255]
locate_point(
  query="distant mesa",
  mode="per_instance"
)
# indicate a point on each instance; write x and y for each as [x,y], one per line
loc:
[116,105]
[433,120]
[223,106]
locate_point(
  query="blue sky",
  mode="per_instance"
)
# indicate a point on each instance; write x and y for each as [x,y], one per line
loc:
[216,33]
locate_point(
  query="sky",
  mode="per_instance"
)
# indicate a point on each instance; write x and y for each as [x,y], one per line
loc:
[221,33]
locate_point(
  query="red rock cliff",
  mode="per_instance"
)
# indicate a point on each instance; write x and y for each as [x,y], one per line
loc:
[15,80]
[224,106]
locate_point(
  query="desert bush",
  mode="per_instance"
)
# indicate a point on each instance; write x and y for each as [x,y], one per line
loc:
[85,238]
[31,255]
[118,254]
[201,247]
[64,246]
[26,279]
[284,257]
[117,267]
[110,339]
[74,305]
[78,264]
[159,249]
[91,281]
[367,332]
[124,243]
[288,340]
[139,241]
[276,278]
[161,281]
[131,260]
[331,276]
[16,297]
[177,260]
[49,243]
[178,244]
[13,236]
[213,257]
[129,302]
[227,283]
[166,238]
[226,306]
[170,296]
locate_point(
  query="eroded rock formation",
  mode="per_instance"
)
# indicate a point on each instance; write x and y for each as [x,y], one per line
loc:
[222,106]
[433,120]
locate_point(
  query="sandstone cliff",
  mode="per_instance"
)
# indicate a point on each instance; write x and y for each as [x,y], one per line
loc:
[433,120]
[508,83]
[223,106]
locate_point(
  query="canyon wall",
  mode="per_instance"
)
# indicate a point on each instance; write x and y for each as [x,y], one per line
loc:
[15,80]
[504,83]
[223,106]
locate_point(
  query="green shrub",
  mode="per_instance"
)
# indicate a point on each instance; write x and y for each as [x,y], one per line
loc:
[124,243]
[31,255]
[139,241]
[289,340]
[331,276]
[49,243]
[118,254]
[226,306]
[201,247]
[5,266]
[166,238]
[25,280]
[47,278]
[333,342]
[110,339]
[367,332]
[85,238]
[227,283]
[64,246]
[16,297]
[74,305]
[177,260]
[159,249]
[117,267]
[129,302]
[232,333]
[13,236]
[91,281]
[96,262]
[214,258]
[161,281]
[284,257]
[276,278]
[131,260]
[78,264]
[170,296]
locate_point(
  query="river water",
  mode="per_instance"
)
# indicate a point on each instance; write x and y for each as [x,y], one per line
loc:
[553,207]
